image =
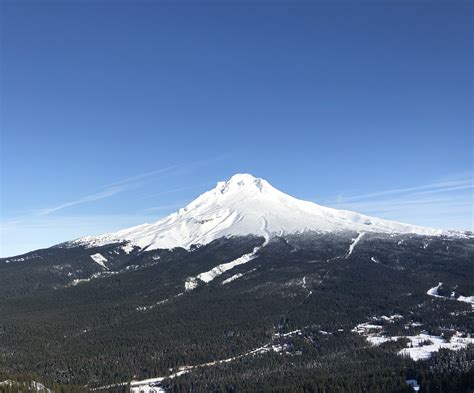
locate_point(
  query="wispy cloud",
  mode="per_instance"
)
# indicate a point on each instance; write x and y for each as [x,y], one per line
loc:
[122,185]
[179,189]
[145,175]
[406,204]
[111,189]
[89,198]
[32,230]
[433,187]
[445,203]
[446,189]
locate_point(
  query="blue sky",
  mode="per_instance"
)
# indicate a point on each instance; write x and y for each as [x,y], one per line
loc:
[115,113]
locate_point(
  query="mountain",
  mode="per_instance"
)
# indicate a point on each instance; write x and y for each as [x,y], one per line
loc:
[244,289]
[246,205]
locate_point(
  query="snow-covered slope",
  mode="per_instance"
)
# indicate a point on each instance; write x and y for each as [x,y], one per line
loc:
[246,205]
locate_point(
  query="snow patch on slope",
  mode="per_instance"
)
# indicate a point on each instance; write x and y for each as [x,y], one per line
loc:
[33,385]
[206,277]
[423,345]
[236,276]
[353,244]
[100,260]
[128,248]
[190,284]
[102,274]
[232,278]
[435,293]
[219,269]
[420,346]
[466,299]
[304,284]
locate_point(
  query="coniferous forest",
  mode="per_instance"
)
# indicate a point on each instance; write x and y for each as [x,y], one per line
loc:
[284,321]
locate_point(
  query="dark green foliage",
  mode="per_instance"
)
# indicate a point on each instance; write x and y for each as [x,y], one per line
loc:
[22,383]
[92,333]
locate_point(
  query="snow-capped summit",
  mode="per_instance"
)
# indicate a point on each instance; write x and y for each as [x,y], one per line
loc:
[245,205]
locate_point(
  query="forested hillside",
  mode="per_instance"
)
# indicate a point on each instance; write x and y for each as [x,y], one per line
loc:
[284,320]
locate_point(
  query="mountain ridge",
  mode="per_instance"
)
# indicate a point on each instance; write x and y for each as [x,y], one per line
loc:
[247,205]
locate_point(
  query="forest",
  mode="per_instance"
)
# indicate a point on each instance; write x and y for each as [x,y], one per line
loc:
[138,322]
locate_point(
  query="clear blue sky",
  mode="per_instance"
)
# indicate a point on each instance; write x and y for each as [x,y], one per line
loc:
[117,112]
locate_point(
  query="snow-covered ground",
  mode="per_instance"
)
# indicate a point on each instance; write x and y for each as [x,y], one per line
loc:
[206,277]
[304,284]
[36,386]
[219,269]
[22,259]
[128,248]
[237,276]
[100,260]
[158,303]
[237,207]
[353,244]
[420,346]
[466,299]
[94,276]
[435,293]
[232,278]
[152,385]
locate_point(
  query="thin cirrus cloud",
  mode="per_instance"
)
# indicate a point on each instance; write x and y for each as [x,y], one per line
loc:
[406,204]
[89,198]
[180,189]
[444,204]
[125,184]
[143,176]
[430,188]
[25,233]
[110,190]
[447,189]
[43,228]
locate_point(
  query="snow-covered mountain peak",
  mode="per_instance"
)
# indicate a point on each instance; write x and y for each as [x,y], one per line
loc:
[238,188]
[242,181]
[247,205]
[242,184]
